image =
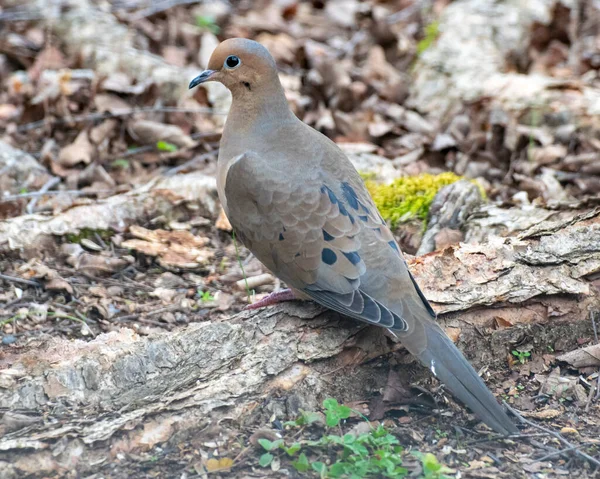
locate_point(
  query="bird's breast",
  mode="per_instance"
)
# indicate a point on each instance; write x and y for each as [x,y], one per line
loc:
[223,167]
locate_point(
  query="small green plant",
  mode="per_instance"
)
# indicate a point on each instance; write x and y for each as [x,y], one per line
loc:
[16,317]
[432,469]
[335,412]
[120,163]
[205,296]
[305,419]
[166,146]
[88,233]
[207,22]
[374,454]
[522,356]
[432,31]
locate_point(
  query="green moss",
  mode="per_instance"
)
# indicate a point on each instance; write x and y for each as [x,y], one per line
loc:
[88,233]
[431,33]
[409,197]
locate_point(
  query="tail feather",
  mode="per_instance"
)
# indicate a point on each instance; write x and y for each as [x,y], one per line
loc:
[448,364]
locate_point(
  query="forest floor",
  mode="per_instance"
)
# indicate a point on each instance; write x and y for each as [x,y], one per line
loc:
[121,159]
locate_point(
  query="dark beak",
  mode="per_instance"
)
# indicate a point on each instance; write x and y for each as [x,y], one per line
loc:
[204,76]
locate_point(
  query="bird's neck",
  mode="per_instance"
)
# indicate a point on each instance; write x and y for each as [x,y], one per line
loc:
[254,111]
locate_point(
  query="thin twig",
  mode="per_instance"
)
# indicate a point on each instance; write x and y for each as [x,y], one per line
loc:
[37,194]
[590,396]
[159,7]
[523,420]
[597,397]
[501,437]
[51,183]
[145,148]
[114,114]
[104,280]
[28,282]
[193,161]
[558,453]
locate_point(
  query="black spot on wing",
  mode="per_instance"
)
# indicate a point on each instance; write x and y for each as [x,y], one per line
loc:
[327,236]
[350,195]
[331,194]
[281,238]
[328,256]
[343,210]
[335,200]
[353,257]
[394,246]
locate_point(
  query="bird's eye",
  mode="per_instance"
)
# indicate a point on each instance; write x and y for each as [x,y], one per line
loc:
[232,62]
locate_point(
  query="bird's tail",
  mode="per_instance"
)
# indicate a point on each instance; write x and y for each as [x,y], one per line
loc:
[448,364]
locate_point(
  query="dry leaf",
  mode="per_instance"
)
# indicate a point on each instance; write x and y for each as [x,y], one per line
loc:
[111,104]
[58,284]
[584,357]
[80,151]
[214,464]
[50,58]
[151,132]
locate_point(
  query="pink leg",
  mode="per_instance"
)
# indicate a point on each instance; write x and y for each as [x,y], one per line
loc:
[274,298]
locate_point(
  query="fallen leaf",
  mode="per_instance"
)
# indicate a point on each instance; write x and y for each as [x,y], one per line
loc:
[213,464]
[80,151]
[110,103]
[50,58]
[584,357]
[58,284]
[151,132]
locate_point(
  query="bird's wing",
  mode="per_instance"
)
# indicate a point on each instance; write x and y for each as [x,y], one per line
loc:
[310,234]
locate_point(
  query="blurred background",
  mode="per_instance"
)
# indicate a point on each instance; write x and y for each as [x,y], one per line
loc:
[506,92]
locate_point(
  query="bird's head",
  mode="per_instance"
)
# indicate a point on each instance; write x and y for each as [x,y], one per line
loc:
[241,65]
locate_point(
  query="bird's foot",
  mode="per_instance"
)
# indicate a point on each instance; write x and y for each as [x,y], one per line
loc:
[273,298]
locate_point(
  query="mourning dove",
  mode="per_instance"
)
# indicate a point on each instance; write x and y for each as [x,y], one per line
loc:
[296,201]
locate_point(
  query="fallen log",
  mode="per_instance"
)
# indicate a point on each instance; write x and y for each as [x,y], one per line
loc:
[75,404]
